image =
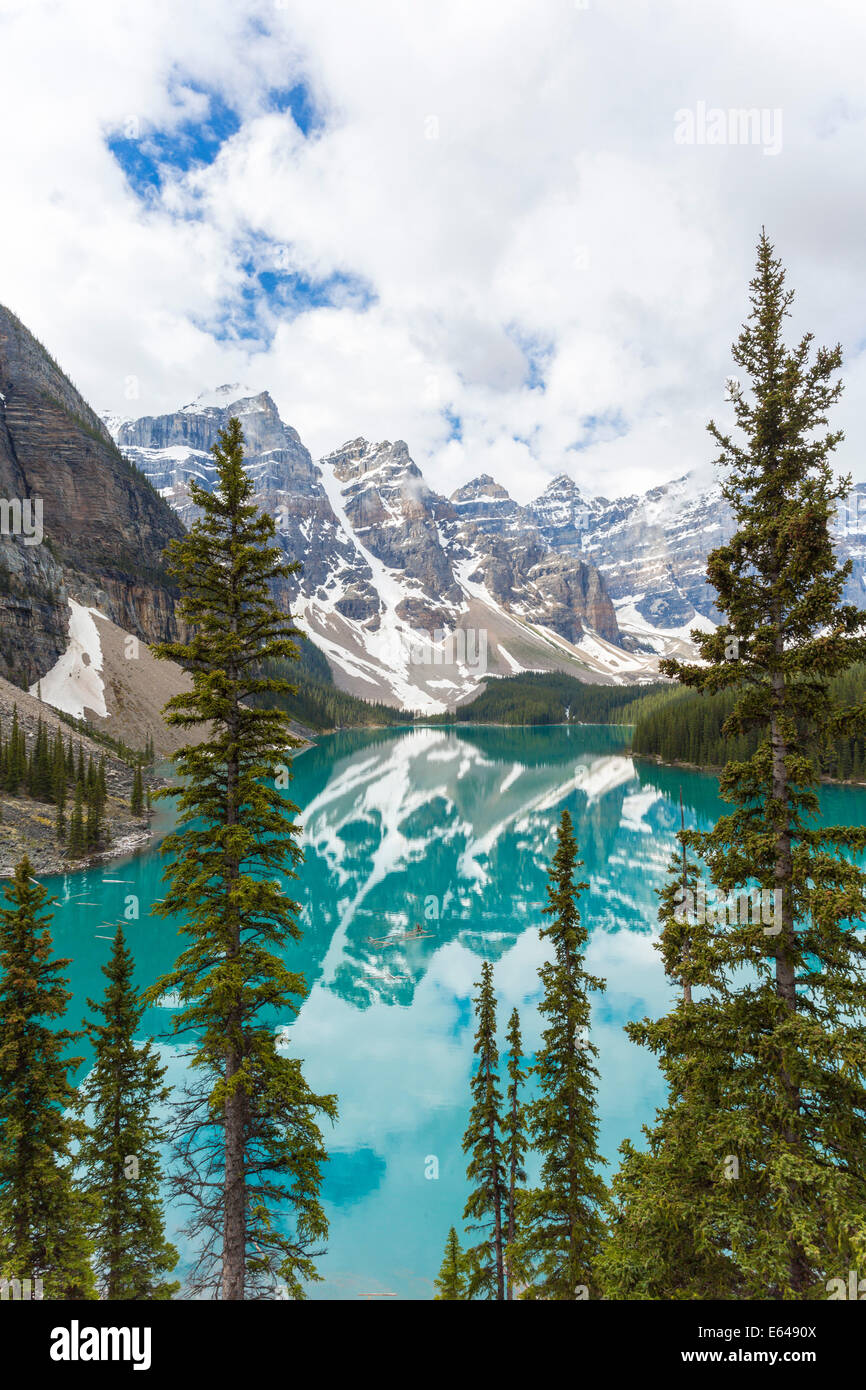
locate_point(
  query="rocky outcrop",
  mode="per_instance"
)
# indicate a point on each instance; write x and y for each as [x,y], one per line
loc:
[103,526]
[485,504]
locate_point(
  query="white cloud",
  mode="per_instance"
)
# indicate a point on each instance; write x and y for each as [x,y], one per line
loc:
[553,216]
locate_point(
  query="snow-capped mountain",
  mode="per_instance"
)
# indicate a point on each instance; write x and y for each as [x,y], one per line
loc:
[414,597]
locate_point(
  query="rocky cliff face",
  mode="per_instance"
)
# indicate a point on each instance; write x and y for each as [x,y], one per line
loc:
[652,551]
[103,527]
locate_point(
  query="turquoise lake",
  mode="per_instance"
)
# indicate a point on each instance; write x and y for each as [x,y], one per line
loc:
[452,829]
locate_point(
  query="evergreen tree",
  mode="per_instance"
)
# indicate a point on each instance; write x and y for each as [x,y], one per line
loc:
[43,1219]
[137,798]
[451,1280]
[561,1223]
[515,1145]
[77,835]
[14,769]
[778,1046]
[247,1135]
[93,819]
[121,1149]
[657,1248]
[486,1167]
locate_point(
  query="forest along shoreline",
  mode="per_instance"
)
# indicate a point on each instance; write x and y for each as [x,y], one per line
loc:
[29,813]
[30,819]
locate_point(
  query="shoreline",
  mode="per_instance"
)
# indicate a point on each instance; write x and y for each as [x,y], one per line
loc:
[715,768]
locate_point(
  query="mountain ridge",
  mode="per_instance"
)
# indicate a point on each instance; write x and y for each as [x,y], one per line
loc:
[102,527]
[398,579]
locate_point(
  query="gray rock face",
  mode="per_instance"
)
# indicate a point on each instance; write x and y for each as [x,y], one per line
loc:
[485,504]
[563,515]
[104,528]
[396,516]
[653,550]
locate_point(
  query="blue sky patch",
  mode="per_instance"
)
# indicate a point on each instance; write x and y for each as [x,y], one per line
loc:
[146,155]
[537,353]
[609,424]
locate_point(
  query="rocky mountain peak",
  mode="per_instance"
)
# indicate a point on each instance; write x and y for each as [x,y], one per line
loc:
[562,484]
[562,513]
[358,457]
[484,503]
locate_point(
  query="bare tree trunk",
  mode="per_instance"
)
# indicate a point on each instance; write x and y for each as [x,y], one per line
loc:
[687,988]
[497,1224]
[234,1216]
[785,941]
[512,1184]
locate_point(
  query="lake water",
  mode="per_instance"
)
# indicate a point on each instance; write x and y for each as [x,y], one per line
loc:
[452,829]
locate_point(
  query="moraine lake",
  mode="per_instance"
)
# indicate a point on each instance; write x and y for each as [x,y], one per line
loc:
[452,829]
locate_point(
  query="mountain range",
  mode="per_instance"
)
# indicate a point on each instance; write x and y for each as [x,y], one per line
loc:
[601,588]
[412,596]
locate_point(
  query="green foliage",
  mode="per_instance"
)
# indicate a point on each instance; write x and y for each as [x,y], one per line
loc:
[561,1222]
[684,726]
[483,1141]
[451,1280]
[515,1143]
[43,1219]
[315,702]
[45,771]
[247,1134]
[121,1148]
[136,801]
[546,697]
[666,1241]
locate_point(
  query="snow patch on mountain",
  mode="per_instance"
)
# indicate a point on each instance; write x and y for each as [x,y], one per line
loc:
[74,683]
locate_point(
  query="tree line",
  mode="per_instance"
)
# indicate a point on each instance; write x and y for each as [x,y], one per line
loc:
[543,697]
[53,773]
[689,727]
[243,1131]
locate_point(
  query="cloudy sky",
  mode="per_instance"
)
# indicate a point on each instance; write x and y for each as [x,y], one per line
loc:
[515,233]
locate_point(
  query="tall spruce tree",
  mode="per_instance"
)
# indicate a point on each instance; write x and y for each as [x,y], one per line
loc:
[483,1142]
[515,1145]
[43,1218]
[776,1051]
[77,835]
[663,1243]
[120,1152]
[136,803]
[562,1221]
[451,1280]
[248,1139]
